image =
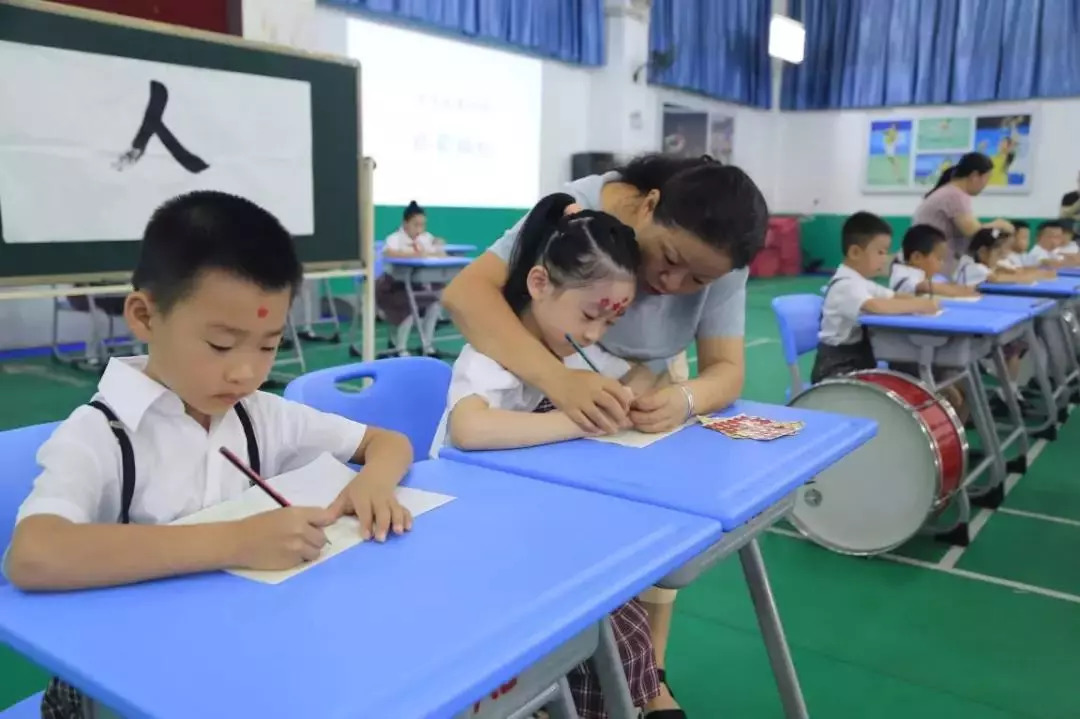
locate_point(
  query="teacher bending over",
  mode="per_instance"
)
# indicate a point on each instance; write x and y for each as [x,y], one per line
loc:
[947,207]
[698,224]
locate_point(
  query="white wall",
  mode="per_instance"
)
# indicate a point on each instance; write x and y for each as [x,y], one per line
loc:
[823,154]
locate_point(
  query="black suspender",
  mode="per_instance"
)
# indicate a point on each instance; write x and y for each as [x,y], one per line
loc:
[127,453]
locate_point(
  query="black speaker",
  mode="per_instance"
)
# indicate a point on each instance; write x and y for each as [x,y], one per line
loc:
[583,164]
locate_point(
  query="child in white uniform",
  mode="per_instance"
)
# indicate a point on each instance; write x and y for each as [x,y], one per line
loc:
[1050,247]
[569,277]
[924,251]
[212,289]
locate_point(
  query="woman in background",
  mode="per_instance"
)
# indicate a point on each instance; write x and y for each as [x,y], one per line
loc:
[410,240]
[948,208]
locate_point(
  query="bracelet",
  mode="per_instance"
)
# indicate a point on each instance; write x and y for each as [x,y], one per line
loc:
[689,400]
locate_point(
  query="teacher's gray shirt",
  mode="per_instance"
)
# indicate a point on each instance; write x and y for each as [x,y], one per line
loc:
[657,327]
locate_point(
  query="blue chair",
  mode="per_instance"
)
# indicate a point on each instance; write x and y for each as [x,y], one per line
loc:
[408,395]
[798,317]
[28,708]
[18,448]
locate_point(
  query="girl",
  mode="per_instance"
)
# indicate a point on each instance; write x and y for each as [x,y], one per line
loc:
[410,240]
[570,278]
[982,264]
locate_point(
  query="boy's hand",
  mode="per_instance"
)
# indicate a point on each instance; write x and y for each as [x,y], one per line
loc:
[929,306]
[282,538]
[375,505]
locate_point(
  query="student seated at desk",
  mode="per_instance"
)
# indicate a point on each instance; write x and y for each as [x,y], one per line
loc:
[1018,264]
[924,250]
[986,251]
[1049,250]
[213,285]
[410,240]
[569,277]
[844,346]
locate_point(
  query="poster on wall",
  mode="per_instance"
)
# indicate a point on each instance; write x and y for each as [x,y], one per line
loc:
[115,137]
[909,155]
[687,132]
[888,161]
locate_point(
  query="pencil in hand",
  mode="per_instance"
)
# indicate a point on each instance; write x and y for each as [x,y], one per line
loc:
[580,351]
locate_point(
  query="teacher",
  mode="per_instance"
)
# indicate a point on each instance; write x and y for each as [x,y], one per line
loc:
[947,207]
[699,224]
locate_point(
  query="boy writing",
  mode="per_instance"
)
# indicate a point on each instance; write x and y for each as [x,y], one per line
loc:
[924,251]
[844,346]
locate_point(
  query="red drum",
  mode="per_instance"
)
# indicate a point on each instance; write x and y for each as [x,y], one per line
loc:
[881,494]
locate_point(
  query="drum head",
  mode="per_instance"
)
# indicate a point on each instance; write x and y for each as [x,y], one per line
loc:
[877,497]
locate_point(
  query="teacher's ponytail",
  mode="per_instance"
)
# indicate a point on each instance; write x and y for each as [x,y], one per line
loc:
[946,178]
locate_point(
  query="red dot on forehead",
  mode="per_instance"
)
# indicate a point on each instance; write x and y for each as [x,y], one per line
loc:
[262,312]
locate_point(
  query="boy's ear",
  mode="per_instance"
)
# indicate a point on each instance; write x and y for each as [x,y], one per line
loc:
[139,312]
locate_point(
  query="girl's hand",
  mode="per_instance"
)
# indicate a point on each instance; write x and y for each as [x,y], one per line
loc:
[659,410]
[596,403]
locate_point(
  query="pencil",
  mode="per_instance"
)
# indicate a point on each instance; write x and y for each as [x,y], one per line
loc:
[580,351]
[254,477]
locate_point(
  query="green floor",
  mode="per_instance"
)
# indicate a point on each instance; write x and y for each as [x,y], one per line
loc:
[987,633]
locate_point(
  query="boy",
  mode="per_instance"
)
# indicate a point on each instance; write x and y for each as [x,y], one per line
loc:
[844,346]
[212,290]
[1017,264]
[1047,252]
[924,251]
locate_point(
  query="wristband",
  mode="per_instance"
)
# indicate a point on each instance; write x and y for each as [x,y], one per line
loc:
[689,400]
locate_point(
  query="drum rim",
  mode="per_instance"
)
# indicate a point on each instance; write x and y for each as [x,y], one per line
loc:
[954,418]
[851,379]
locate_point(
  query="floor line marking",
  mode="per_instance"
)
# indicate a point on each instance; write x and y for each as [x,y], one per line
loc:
[985,578]
[1039,515]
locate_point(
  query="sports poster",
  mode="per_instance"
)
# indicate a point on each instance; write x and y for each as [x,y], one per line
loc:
[910,154]
[114,137]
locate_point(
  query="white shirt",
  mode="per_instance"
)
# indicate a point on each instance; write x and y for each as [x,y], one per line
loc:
[477,374]
[848,291]
[970,272]
[1069,248]
[1018,261]
[178,469]
[399,241]
[905,278]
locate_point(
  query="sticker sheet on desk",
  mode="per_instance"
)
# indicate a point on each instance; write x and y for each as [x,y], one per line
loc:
[635,439]
[743,426]
[314,485]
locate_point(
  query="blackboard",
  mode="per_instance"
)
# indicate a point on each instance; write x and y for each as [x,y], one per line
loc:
[335,136]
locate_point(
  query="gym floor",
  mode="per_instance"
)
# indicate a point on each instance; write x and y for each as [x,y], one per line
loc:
[986,632]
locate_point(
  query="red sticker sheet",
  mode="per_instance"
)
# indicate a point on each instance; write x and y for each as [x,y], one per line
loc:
[744,426]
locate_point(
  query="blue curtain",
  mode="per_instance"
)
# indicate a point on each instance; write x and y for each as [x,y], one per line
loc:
[567,30]
[884,53]
[720,48]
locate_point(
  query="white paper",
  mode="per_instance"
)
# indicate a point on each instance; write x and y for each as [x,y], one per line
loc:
[638,440]
[314,485]
[962,299]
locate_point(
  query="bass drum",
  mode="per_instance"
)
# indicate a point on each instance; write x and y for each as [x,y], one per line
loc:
[880,495]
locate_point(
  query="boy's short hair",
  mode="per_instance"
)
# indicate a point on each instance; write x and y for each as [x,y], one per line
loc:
[861,228]
[922,239]
[1021,225]
[207,230]
[1049,225]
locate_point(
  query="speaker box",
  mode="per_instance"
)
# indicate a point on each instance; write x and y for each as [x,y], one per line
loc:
[583,164]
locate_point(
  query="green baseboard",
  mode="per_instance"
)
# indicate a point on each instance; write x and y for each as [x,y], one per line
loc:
[821,236]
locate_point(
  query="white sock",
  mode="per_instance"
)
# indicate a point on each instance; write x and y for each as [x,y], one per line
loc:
[403,332]
[427,327]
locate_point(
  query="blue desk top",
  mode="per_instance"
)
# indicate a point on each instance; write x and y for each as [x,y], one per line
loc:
[454,249]
[1068,271]
[428,261]
[695,470]
[1062,287]
[1027,306]
[952,320]
[419,627]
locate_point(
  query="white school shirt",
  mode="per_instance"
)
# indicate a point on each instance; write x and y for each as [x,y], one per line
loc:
[970,272]
[178,469]
[1039,254]
[1069,248]
[399,241]
[1018,261]
[848,292]
[905,278]
[477,374]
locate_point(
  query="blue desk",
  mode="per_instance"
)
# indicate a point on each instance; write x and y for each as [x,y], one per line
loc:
[1030,307]
[418,272]
[745,485]
[1062,288]
[455,249]
[513,574]
[1068,271]
[952,320]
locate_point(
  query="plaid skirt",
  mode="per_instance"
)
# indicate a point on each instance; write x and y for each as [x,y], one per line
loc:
[630,625]
[63,701]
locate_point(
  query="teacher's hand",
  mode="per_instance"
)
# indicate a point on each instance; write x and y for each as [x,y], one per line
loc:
[596,403]
[659,410]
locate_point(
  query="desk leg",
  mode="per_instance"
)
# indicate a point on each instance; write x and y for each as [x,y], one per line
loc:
[1012,403]
[1042,379]
[414,310]
[608,666]
[563,706]
[772,631]
[984,424]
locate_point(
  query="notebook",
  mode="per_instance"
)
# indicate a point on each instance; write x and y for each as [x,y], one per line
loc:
[314,485]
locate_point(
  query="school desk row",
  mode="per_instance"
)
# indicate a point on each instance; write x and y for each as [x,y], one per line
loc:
[480,611]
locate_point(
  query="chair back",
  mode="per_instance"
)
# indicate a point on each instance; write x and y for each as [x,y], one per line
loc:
[798,318]
[407,394]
